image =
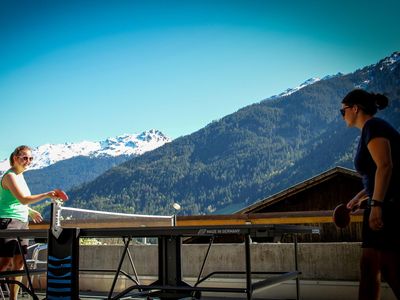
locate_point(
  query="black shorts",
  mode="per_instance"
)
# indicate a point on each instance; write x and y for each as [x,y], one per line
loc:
[388,238]
[9,246]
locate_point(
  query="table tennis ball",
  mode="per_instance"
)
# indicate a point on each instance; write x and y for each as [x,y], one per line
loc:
[176,206]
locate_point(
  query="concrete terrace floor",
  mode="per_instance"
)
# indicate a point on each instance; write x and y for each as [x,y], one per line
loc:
[309,290]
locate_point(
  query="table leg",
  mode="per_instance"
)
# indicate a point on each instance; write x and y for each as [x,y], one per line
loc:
[296,267]
[249,290]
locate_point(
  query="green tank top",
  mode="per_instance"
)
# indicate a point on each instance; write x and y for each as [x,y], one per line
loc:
[11,207]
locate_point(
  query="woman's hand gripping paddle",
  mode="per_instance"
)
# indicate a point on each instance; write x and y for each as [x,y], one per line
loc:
[61,195]
[341,214]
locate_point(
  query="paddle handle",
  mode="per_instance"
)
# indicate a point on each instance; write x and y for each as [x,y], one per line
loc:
[360,204]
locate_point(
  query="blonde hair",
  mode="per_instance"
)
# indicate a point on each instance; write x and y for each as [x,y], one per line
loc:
[17,152]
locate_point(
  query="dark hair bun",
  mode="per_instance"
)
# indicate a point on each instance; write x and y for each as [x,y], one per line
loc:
[369,102]
[381,101]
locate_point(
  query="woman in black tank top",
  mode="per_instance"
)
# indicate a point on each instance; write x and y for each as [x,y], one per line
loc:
[378,162]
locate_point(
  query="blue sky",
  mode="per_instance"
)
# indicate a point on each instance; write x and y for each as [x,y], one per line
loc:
[88,70]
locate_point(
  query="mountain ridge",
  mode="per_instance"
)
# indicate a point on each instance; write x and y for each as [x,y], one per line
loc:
[248,155]
[126,144]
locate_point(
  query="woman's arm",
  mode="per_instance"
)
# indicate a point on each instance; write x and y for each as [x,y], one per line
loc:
[356,201]
[380,151]
[10,182]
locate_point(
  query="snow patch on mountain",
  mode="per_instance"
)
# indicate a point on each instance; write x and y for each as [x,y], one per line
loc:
[295,89]
[126,144]
[390,61]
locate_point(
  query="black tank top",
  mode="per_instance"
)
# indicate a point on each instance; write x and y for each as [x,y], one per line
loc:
[364,163]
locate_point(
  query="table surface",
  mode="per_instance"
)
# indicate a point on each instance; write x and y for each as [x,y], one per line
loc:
[208,230]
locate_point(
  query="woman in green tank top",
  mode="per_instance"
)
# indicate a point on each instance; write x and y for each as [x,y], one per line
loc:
[15,197]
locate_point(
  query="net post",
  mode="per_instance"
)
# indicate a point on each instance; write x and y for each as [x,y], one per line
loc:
[174,220]
[176,206]
[55,222]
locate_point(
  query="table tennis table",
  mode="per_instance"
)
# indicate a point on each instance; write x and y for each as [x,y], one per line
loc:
[63,259]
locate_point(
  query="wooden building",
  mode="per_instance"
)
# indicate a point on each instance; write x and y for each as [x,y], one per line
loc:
[322,192]
[318,196]
[310,203]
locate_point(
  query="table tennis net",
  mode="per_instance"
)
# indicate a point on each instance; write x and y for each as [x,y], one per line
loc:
[85,218]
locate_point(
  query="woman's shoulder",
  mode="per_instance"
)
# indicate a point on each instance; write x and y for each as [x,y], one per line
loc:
[5,178]
[376,127]
[9,172]
[378,123]
[9,175]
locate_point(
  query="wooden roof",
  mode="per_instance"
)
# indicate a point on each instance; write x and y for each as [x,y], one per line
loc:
[300,187]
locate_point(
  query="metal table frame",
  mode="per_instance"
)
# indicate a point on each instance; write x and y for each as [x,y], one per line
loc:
[169,284]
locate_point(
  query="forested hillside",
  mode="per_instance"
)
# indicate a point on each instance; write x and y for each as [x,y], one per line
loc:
[248,155]
[70,172]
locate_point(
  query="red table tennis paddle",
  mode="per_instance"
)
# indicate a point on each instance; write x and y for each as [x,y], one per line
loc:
[60,194]
[341,214]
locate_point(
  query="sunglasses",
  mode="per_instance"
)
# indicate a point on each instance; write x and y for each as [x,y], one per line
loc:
[26,158]
[343,110]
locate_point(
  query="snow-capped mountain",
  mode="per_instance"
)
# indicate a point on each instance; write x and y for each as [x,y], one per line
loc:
[126,144]
[295,89]
[389,62]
